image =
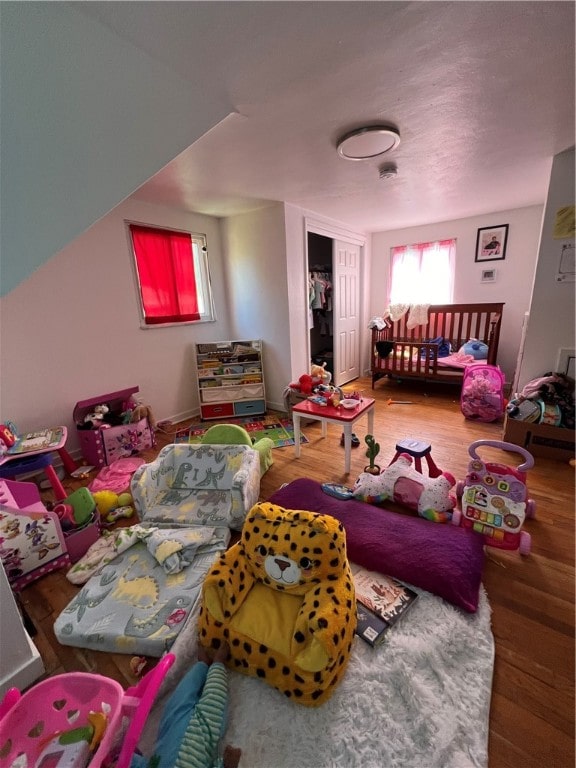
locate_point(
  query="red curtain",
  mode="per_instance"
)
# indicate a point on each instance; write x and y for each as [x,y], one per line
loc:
[165,265]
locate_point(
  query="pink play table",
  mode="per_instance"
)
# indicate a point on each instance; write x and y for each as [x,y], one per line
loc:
[327,414]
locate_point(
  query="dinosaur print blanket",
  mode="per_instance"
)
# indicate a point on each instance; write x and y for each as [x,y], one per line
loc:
[173,548]
[138,601]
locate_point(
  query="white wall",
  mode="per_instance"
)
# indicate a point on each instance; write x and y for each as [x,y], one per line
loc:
[551,322]
[71,90]
[514,274]
[255,248]
[71,330]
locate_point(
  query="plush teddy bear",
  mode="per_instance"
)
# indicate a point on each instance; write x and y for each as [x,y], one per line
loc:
[283,598]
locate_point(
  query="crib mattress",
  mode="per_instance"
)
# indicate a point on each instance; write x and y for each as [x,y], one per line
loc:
[133,606]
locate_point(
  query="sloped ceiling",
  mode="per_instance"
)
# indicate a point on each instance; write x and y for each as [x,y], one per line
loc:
[481,92]
[102,100]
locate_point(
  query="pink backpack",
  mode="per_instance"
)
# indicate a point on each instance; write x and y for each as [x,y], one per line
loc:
[482,395]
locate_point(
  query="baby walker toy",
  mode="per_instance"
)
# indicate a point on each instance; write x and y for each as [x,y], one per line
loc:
[76,720]
[494,499]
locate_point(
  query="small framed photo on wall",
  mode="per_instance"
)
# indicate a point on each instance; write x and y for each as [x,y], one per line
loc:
[491,243]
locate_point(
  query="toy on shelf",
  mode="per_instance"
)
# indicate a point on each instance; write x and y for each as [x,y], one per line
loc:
[405,484]
[77,719]
[494,498]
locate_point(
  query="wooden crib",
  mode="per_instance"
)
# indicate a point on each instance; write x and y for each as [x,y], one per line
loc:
[400,352]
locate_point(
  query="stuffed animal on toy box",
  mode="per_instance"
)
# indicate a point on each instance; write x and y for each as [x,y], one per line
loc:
[283,597]
[97,417]
[400,482]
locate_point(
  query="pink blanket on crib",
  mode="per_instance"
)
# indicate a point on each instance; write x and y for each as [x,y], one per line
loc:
[458,360]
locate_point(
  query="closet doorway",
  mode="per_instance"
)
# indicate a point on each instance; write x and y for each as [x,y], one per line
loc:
[334,298]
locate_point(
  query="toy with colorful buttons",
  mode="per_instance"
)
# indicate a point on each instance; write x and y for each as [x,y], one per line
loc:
[494,498]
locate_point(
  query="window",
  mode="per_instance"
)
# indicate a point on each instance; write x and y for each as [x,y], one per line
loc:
[422,273]
[172,274]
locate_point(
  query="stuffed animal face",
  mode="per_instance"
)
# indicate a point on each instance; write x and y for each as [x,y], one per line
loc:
[283,598]
[292,551]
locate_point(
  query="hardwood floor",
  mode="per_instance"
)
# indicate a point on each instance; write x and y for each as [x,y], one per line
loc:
[532,598]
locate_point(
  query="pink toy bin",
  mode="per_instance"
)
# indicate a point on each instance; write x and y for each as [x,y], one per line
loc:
[62,703]
[103,445]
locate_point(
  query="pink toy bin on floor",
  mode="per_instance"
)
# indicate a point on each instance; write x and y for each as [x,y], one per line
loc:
[62,703]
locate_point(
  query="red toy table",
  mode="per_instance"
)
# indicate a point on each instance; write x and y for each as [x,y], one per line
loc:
[328,414]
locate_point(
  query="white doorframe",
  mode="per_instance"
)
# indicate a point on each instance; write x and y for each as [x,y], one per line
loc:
[335,232]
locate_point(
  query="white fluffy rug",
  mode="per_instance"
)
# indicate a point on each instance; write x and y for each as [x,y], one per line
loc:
[421,700]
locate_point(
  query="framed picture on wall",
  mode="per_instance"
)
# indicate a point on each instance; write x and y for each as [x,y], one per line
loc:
[491,243]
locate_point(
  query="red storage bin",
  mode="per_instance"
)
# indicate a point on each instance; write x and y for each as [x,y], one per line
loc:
[104,444]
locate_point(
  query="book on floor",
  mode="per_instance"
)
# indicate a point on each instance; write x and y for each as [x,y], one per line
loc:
[380,601]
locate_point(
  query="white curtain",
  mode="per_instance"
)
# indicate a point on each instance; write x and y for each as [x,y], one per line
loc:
[422,273]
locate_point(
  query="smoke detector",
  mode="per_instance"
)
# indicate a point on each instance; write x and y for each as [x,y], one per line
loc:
[389,171]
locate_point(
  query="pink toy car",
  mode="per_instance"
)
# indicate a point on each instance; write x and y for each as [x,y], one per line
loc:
[494,499]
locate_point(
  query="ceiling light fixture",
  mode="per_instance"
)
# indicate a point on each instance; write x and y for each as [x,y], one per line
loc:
[367,142]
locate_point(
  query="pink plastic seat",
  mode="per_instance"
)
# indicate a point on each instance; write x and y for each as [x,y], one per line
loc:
[64,702]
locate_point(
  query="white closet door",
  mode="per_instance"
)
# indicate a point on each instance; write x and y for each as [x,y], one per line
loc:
[346,311]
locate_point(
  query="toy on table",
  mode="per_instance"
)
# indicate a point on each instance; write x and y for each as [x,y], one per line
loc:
[405,484]
[494,499]
[77,719]
[317,386]
[8,437]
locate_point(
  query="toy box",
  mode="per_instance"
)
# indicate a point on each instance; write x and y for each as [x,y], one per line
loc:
[79,540]
[32,543]
[105,442]
[541,440]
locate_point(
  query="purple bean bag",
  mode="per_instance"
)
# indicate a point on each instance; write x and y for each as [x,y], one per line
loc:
[440,558]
